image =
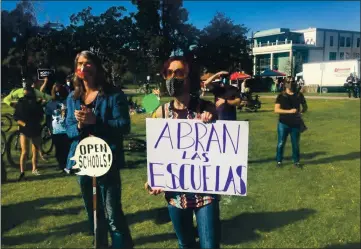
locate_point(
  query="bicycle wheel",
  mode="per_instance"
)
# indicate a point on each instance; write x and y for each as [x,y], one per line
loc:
[46,141]
[13,149]
[6,122]
[3,143]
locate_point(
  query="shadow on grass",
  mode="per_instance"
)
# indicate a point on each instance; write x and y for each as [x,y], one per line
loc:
[159,215]
[243,227]
[60,232]
[136,163]
[30,178]
[305,156]
[344,246]
[16,214]
[337,158]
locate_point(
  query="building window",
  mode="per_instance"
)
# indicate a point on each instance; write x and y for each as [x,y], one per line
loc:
[342,56]
[332,56]
[356,55]
[358,42]
[348,42]
[342,41]
[331,41]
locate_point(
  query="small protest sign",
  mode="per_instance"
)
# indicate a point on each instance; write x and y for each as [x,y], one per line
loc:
[44,72]
[191,156]
[93,157]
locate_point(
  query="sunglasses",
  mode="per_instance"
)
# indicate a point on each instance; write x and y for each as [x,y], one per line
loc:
[179,73]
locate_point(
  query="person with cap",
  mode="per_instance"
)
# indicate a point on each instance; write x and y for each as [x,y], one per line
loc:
[29,115]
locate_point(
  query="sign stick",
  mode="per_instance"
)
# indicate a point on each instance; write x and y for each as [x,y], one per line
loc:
[95,211]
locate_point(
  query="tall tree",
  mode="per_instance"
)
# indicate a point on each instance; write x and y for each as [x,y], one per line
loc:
[17,26]
[223,46]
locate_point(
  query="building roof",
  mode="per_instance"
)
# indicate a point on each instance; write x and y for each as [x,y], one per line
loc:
[279,31]
[270,32]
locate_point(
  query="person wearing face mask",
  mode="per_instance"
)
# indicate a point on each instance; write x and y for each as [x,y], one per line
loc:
[288,105]
[55,112]
[29,114]
[226,97]
[180,83]
[96,108]
[69,86]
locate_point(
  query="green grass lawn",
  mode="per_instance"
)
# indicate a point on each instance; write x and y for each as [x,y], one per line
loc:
[316,207]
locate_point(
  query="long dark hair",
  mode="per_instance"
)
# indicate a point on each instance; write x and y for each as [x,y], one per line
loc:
[100,81]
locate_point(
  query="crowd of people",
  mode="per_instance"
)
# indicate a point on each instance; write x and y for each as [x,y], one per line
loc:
[88,105]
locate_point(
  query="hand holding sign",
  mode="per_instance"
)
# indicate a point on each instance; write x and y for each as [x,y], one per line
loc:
[93,157]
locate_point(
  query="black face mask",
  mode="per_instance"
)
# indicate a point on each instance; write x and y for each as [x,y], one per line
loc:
[175,87]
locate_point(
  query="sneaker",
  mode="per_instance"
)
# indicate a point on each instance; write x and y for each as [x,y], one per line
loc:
[21,176]
[36,172]
[67,171]
[297,165]
[279,164]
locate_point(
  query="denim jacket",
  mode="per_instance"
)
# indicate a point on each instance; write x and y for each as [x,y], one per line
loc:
[112,122]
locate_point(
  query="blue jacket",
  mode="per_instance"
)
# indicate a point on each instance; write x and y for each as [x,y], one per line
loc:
[112,122]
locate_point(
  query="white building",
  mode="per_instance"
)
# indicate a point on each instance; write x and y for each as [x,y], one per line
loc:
[287,50]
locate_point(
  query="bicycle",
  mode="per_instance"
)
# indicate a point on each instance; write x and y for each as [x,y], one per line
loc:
[6,122]
[13,148]
[143,89]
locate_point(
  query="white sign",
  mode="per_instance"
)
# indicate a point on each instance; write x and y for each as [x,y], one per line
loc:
[44,72]
[93,157]
[191,156]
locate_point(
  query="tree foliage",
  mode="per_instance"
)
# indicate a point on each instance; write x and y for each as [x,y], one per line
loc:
[131,45]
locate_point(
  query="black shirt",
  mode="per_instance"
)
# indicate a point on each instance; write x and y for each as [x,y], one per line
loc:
[289,102]
[88,129]
[227,92]
[31,112]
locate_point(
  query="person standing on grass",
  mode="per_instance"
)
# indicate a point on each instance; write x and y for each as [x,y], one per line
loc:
[226,97]
[96,108]
[29,115]
[180,84]
[55,116]
[288,106]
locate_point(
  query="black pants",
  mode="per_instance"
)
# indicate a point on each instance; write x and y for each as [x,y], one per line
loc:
[62,145]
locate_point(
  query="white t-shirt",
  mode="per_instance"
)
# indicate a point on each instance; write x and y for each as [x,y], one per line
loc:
[243,87]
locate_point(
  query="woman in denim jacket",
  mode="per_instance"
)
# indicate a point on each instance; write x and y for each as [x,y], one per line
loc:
[95,108]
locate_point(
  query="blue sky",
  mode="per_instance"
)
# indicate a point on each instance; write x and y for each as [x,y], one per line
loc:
[254,15]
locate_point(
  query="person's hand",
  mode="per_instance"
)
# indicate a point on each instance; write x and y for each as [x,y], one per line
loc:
[222,73]
[293,110]
[220,102]
[206,117]
[153,191]
[46,80]
[21,123]
[85,116]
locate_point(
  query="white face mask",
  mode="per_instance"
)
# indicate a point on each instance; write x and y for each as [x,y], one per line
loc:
[68,83]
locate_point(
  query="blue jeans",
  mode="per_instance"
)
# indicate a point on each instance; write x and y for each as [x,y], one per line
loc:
[283,131]
[110,215]
[208,224]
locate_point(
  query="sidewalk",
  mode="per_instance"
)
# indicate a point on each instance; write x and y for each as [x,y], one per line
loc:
[312,97]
